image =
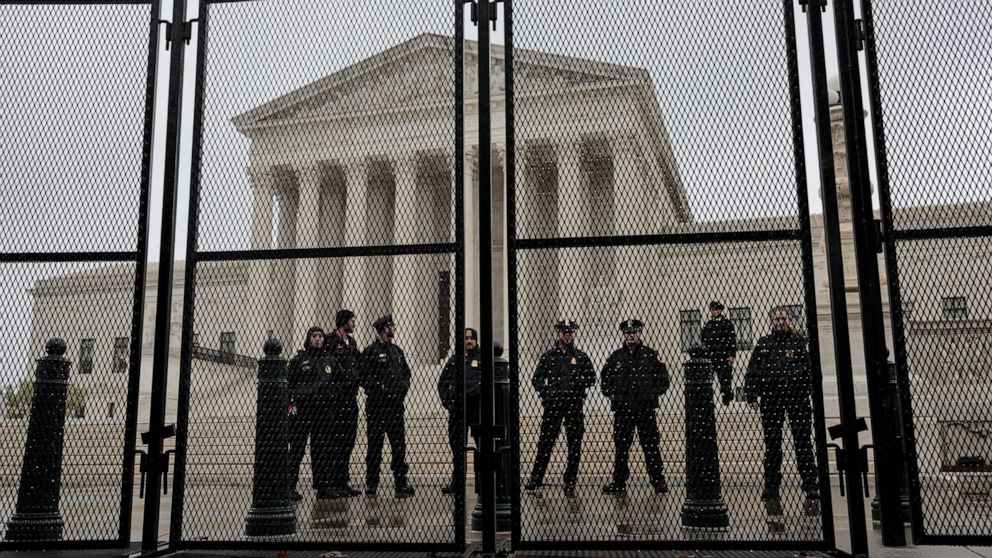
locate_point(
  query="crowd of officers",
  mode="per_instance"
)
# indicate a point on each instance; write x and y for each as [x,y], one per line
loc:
[325,377]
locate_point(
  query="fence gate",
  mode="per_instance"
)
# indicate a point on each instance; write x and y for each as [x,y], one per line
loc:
[77,100]
[657,165]
[326,175]
[928,85]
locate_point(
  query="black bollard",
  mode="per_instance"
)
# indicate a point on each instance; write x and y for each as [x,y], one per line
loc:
[36,516]
[271,513]
[893,399]
[704,506]
[504,466]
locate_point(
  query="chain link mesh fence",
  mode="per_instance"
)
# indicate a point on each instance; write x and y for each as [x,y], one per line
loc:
[929,86]
[74,182]
[658,168]
[327,179]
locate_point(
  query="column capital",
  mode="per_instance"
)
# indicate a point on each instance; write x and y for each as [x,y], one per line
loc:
[472,158]
[260,176]
[309,171]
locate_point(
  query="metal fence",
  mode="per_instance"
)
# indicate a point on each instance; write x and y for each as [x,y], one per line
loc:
[77,98]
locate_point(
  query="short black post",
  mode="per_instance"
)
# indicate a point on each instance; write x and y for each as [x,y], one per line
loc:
[504,465]
[892,399]
[36,516]
[704,506]
[271,513]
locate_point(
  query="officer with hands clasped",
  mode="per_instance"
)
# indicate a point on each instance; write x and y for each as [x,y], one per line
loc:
[562,376]
[304,377]
[633,379]
[385,378]
[720,343]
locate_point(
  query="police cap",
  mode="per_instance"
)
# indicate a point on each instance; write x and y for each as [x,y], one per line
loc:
[383,321]
[631,325]
[567,326]
[716,305]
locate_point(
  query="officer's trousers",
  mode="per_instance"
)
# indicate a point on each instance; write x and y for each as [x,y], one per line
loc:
[457,438]
[625,422]
[551,423]
[774,410]
[334,442]
[384,419]
[301,426]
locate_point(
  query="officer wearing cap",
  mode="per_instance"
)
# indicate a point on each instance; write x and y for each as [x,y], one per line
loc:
[304,377]
[633,379]
[385,378]
[341,423]
[720,343]
[778,384]
[454,399]
[562,376]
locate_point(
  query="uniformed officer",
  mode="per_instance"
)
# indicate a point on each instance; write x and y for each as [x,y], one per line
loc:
[720,342]
[778,384]
[562,376]
[341,420]
[633,379]
[304,376]
[449,389]
[385,377]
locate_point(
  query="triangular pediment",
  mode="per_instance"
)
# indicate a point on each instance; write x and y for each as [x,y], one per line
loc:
[419,73]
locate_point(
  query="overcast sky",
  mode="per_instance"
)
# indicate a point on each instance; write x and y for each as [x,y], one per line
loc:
[715,74]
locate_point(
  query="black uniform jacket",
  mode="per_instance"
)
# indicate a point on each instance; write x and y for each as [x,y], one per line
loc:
[384,372]
[305,374]
[450,381]
[719,338]
[634,377]
[563,375]
[342,377]
[780,366]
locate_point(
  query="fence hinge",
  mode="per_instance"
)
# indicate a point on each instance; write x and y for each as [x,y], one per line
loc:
[859,32]
[879,231]
[492,12]
[821,3]
[184,32]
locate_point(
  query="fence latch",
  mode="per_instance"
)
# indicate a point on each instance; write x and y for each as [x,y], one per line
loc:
[821,3]
[859,33]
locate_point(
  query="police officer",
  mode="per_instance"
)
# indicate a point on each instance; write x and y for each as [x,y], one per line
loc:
[633,379]
[562,376]
[341,420]
[385,377]
[304,376]
[720,342]
[778,384]
[449,390]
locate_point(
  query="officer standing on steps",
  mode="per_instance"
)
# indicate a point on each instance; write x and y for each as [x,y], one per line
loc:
[342,412]
[454,377]
[633,379]
[778,384]
[720,342]
[562,376]
[304,376]
[385,377]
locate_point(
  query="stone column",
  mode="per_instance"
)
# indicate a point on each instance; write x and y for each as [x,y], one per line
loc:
[306,288]
[471,239]
[630,207]
[284,271]
[356,189]
[571,195]
[411,280]
[501,308]
[261,239]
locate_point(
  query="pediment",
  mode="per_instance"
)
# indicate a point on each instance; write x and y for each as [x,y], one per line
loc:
[419,73]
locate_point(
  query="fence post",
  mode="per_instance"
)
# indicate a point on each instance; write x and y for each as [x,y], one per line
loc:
[503,463]
[704,506]
[271,513]
[36,516]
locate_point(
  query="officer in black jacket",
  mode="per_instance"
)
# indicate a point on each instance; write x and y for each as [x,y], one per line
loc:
[304,376]
[449,390]
[562,376]
[341,420]
[720,342]
[633,379]
[778,384]
[385,377]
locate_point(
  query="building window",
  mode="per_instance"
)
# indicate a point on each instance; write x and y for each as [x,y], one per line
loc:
[86,347]
[196,339]
[111,407]
[270,334]
[796,317]
[690,328]
[121,349]
[741,318]
[954,307]
[227,342]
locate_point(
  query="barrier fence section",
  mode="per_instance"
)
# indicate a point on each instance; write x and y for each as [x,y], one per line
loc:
[931,123]
[661,279]
[77,100]
[326,192]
